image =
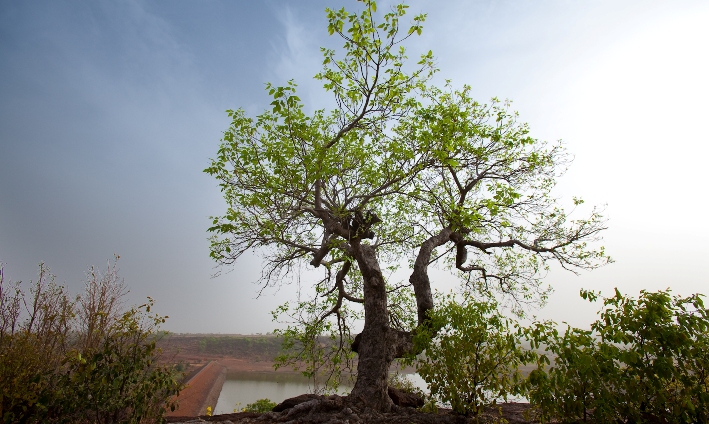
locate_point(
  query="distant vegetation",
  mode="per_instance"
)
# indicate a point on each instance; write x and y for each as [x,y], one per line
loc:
[263,346]
[80,360]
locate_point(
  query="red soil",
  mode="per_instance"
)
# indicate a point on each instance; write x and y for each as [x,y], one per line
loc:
[208,370]
[202,391]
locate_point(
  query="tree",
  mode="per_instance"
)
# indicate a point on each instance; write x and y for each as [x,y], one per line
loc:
[398,169]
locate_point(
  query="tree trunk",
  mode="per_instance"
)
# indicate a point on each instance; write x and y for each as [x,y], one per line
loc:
[419,277]
[373,347]
[379,344]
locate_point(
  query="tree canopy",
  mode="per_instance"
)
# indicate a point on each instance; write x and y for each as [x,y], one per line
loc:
[399,171]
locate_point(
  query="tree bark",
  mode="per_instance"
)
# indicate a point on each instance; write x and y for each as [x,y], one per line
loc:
[379,344]
[419,276]
[374,347]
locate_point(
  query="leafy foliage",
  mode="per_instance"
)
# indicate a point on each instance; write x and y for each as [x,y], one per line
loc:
[32,349]
[578,383]
[403,383]
[472,354]
[261,405]
[83,360]
[644,360]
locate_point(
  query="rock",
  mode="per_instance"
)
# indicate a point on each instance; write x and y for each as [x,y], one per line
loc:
[405,399]
[290,403]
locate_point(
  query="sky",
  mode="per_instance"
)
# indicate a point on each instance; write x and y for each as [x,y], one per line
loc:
[110,110]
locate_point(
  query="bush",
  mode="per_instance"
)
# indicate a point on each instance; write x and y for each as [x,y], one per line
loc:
[261,405]
[644,360]
[82,360]
[578,383]
[121,380]
[32,349]
[403,383]
[472,355]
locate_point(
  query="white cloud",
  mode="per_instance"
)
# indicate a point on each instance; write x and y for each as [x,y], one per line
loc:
[297,55]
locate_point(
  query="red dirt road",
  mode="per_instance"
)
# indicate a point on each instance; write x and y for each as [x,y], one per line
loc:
[202,391]
[204,387]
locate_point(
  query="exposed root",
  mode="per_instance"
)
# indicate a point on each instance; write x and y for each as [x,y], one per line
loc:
[342,410]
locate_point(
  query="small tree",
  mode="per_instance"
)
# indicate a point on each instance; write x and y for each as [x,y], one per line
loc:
[397,170]
[472,355]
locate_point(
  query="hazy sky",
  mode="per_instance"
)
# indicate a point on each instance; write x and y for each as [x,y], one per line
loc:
[109,111]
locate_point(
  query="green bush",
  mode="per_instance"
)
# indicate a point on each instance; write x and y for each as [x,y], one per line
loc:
[644,360]
[403,383]
[121,380]
[261,405]
[472,355]
[578,381]
[81,360]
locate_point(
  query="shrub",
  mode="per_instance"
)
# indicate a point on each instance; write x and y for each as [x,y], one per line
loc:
[403,383]
[578,381]
[32,349]
[121,379]
[82,360]
[261,405]
[644,360]
[472,355]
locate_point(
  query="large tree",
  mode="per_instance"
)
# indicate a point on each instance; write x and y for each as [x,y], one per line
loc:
[397,169]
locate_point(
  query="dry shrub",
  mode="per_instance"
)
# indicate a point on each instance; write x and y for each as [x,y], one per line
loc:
[83,359]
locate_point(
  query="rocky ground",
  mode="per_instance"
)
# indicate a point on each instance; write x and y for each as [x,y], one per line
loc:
[335,410]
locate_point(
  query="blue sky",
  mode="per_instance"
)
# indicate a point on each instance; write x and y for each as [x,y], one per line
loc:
[109,111]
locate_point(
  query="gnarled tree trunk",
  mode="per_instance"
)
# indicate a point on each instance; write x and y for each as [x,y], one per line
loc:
[372,345]
[379,344]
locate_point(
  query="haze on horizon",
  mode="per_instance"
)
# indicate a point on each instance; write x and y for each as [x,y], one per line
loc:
[109,112]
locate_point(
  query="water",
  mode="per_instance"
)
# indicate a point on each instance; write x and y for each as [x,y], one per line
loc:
[248,387]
